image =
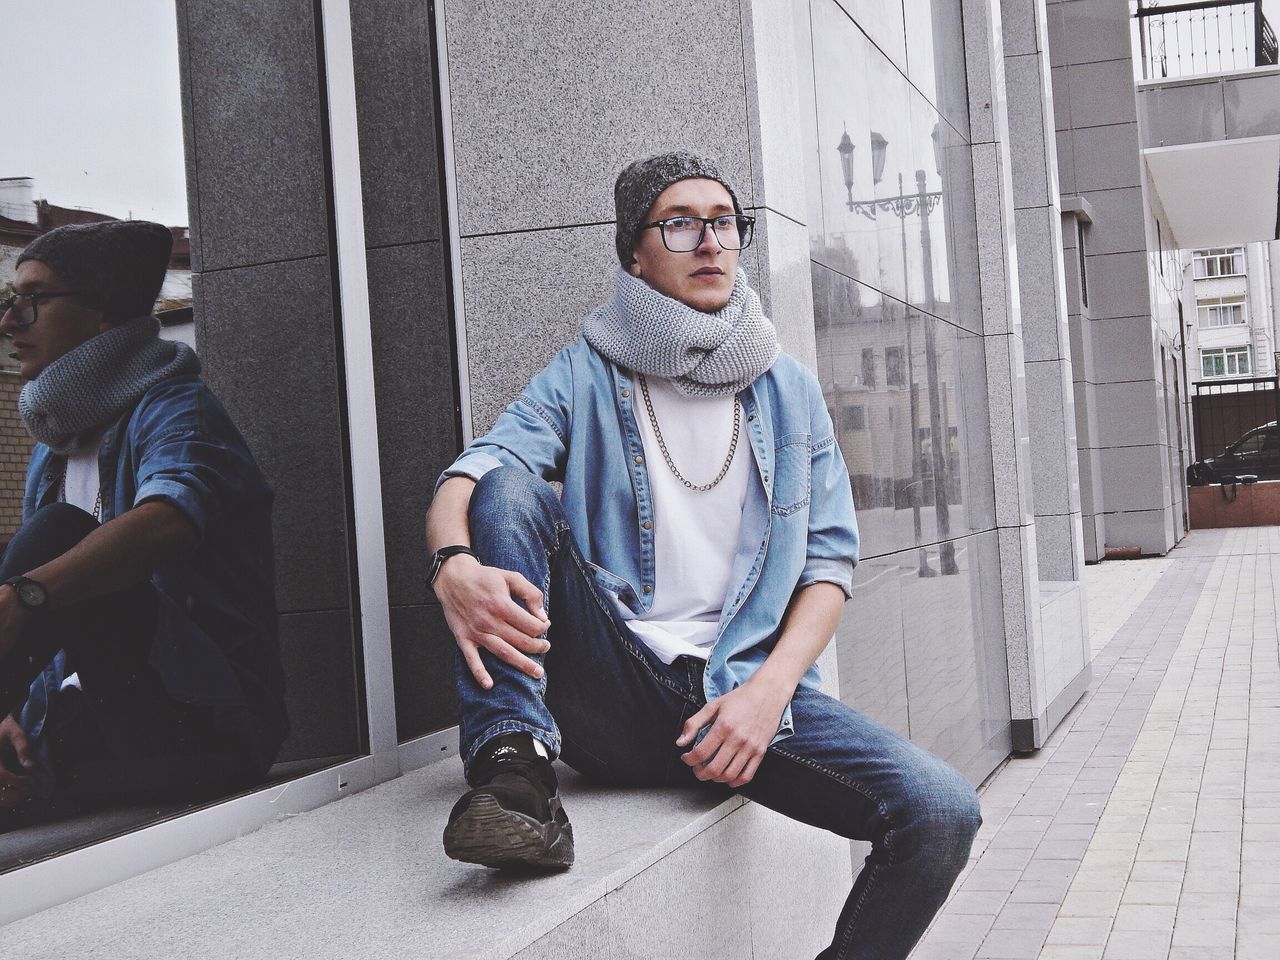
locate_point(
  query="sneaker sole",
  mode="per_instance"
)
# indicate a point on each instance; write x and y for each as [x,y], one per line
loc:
[487,834]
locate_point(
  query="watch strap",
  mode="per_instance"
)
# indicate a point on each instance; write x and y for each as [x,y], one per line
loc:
[19,582]
[443,554]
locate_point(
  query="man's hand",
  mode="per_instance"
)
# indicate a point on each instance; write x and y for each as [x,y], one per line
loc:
[14,618]
[480,607]
[743,724]
[14,787]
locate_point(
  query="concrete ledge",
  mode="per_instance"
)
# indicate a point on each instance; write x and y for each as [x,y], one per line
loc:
[659,873]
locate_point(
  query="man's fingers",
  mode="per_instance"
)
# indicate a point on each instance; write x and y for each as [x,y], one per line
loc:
[749,773]
[471,654]
[704,751]
[22,747]
[734,768]
[696,723]
[521,641]
[510,655]
[526,591]
[524,621]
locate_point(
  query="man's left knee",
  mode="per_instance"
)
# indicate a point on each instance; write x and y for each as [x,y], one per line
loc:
[946,816]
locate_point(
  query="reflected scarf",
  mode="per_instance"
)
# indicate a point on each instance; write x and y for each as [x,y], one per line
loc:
[703,354]
[90,386]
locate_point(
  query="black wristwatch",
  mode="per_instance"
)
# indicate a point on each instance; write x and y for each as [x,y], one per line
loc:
[443,554]
[31,594]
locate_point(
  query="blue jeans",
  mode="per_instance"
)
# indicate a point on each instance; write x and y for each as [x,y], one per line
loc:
[123,738]
[612,711]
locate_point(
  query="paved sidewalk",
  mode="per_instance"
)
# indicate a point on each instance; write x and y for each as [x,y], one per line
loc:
[1149,825]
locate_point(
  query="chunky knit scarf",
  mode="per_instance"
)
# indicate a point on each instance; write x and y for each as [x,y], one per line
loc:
[703,354]
[89,386]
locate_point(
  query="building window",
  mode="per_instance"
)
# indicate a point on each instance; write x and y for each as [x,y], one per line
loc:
[895,374]
[855,417]
[1218,262]
[868,367]
[1220,311]
[1226,362]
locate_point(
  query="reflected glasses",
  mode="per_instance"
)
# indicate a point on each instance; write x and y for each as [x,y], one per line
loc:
[684,234]
[26,306]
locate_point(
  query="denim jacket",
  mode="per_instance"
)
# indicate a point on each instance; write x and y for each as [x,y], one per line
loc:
[575,423]
[216,640]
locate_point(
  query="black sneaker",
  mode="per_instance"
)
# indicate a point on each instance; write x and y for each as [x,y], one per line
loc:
[512,817]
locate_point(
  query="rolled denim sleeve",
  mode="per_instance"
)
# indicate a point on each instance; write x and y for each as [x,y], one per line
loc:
[833,528]
[195,461]
[532,433]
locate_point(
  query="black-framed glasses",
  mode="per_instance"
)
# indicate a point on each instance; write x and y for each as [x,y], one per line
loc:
[26,306]
[684,234]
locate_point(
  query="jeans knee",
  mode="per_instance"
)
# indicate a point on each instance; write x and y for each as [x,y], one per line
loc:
[511,490]
[509,500]
[50,532]
[944,820]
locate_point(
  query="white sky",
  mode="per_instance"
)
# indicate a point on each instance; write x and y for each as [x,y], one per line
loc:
[92,105]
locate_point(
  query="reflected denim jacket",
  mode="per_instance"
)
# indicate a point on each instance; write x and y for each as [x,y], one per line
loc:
[216,636]
[575,423]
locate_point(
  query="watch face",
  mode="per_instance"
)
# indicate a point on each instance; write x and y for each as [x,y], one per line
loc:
[31,594]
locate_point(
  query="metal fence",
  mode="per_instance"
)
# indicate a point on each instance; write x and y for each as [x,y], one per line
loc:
[1186,39]
[1225,410]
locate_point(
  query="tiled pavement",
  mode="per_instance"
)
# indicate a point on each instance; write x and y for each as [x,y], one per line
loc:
[1149,825]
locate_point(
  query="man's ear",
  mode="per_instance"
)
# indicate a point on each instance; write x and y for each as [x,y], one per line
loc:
[633,268]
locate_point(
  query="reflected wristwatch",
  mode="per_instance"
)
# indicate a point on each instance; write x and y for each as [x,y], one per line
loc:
[31,594]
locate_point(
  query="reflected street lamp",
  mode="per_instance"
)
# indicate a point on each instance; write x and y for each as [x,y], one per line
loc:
[904,205]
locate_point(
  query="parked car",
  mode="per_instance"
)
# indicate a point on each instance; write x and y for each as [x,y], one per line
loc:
[1257,453]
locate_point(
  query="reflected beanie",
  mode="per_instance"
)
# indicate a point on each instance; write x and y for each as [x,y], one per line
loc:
[117,266]
[640,183]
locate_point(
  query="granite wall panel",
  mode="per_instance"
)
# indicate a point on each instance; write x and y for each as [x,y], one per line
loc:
[255,156]
[396,104]
[417,422]
[521,309]
[422,658]
[320,685]
[266,339]
[545,119]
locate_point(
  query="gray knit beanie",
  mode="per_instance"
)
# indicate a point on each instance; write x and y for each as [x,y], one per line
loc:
[640,183]
[117,266]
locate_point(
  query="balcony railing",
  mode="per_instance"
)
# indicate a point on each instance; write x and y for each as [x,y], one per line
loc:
[1212,36]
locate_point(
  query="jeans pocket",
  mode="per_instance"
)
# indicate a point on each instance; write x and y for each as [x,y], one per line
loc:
[792,458]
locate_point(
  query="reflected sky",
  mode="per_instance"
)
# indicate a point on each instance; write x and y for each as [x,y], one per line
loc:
[94,88]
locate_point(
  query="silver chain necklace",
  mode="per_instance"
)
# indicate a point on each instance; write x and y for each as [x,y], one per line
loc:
[666,454]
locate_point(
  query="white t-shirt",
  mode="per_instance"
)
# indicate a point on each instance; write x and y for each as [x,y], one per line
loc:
[695,533]
[81,487]
[82,482]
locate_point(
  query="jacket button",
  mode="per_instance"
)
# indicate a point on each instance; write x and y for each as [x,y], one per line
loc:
[647,588]
[639,459]
[626,393]
[648,524]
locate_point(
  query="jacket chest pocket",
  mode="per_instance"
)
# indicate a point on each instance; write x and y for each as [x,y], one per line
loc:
[792,455]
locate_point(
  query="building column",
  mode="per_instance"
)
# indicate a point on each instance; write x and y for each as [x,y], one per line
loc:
[1039,694]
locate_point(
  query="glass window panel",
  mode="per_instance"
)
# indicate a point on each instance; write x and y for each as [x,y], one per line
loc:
[255,621]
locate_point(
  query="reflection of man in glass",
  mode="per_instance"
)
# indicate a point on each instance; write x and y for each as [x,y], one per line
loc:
[693,569]
[138,649]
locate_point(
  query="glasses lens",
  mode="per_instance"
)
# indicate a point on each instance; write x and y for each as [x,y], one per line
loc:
[24,311]
[733,232]
[682,234]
